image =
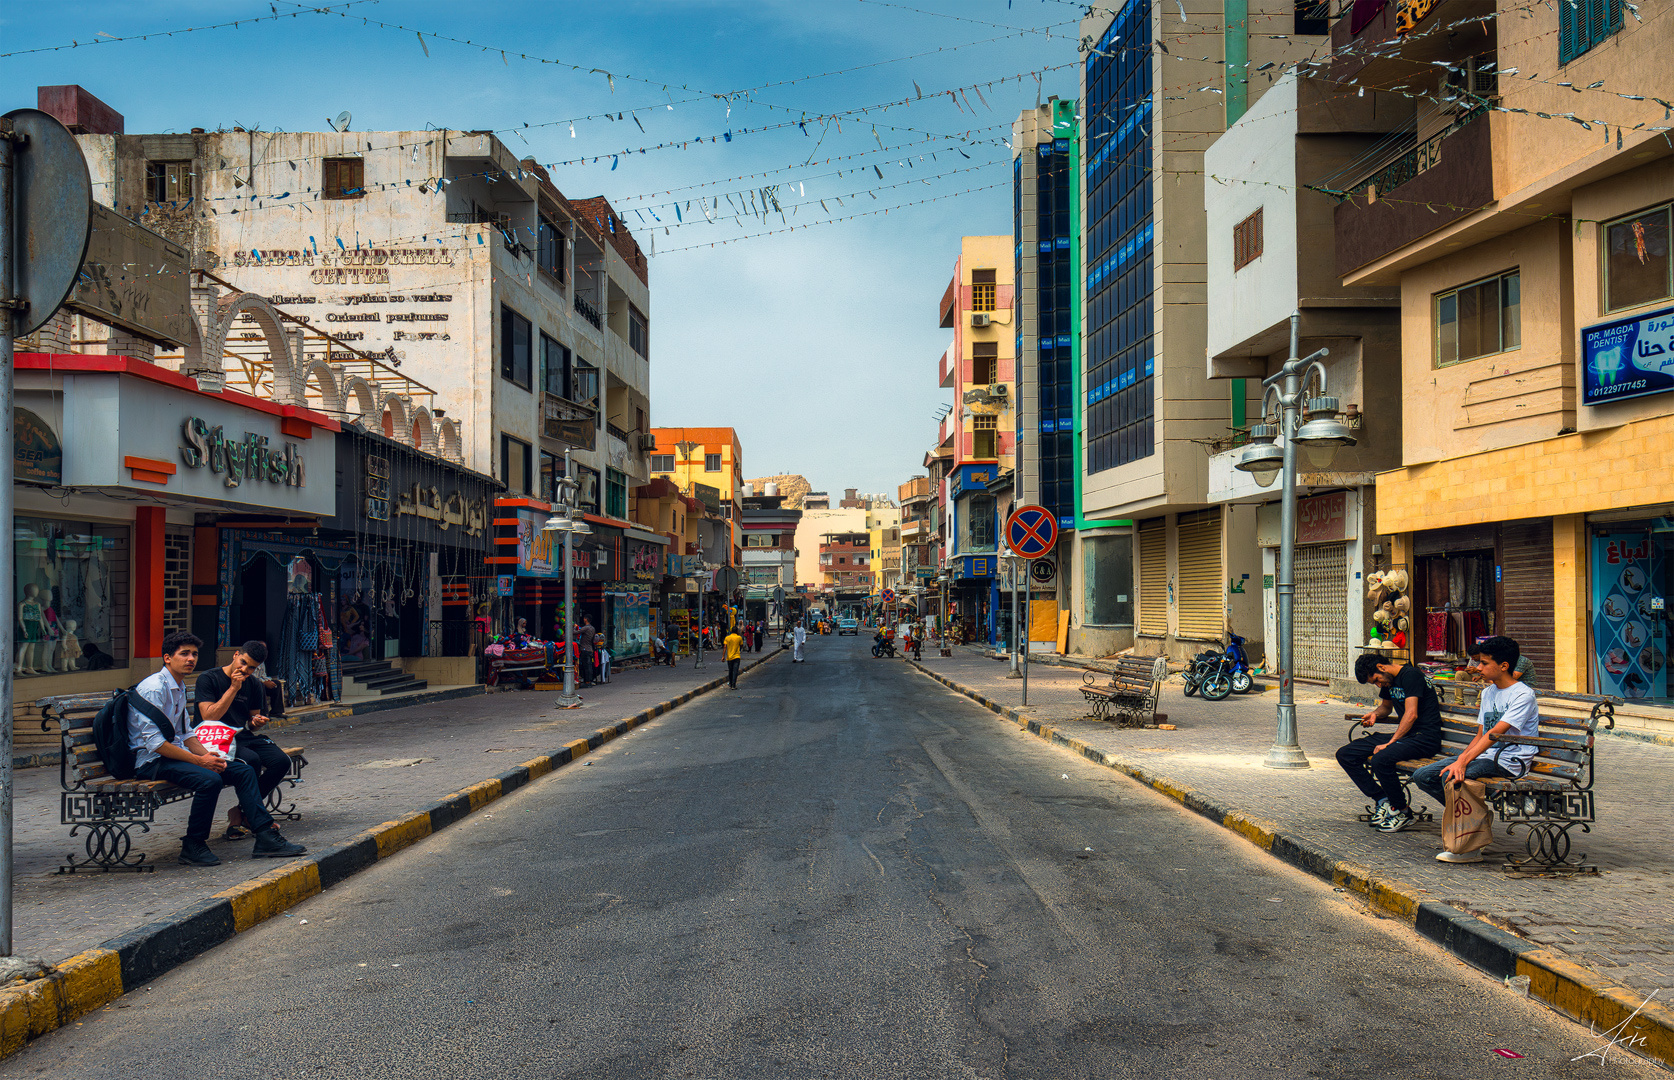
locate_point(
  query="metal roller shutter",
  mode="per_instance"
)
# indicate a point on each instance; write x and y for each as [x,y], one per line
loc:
[1322,646]
[1526,612]
[1153,577]
[1202,598]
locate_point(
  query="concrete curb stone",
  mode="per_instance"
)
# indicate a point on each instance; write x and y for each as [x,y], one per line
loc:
[1561,984]
[100,975]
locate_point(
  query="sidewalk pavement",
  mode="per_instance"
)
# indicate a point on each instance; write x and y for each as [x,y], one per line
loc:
[1619,923]
[363,770]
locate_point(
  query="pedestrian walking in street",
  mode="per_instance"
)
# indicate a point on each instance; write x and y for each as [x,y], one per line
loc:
[761,633]
[159,733]
[603,653]
[798,637]
[1370,761]
[734,643]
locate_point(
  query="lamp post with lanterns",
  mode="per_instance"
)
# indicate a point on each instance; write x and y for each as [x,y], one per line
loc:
[571,526]
[1312,424]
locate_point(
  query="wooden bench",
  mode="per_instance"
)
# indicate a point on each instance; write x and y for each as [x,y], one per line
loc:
[107,808]
[1552,798]
[1130,697]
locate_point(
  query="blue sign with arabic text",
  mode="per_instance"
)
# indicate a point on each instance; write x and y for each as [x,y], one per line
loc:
[1628,358]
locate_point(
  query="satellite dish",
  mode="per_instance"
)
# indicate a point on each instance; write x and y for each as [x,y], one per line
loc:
[342,121]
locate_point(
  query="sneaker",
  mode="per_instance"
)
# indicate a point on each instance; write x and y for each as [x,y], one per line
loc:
[1396,821]
[1459,856]
[271,844]
[1379,812]
[197,853]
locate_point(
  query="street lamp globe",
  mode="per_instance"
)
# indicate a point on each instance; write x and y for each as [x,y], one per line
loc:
[1261,458]
[1323,433]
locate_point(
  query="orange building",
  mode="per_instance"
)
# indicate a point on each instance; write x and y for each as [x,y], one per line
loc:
[706,463]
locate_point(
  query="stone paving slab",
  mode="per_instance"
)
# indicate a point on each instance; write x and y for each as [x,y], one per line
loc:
[1620,923]
[362,770]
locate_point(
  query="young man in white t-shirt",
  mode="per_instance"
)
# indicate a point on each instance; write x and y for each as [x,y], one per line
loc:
[1508,709]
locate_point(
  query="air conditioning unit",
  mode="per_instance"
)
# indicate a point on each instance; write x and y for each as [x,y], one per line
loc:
[998,390]
[979,318]
[647,443]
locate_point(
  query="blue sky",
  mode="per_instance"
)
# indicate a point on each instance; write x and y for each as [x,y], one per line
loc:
[818,344]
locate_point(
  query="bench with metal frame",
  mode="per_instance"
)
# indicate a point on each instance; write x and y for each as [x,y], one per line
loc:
[107,808]
[1552,798]
[1130,697]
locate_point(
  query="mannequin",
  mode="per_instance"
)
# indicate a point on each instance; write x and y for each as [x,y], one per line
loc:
[69,647]
[32,629]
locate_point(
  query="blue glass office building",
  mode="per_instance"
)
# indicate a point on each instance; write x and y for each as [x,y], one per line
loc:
[1120,360]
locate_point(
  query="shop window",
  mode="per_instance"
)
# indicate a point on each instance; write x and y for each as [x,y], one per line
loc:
[515,345]
[168,181]
[343,178]
[71,592]
[712,463]
[1479,319]
[515,465]
[1583,24]
[662,463]
[1636,260]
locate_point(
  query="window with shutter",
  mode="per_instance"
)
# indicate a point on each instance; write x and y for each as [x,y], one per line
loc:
[1582,24]
[342,178]
[1200,591]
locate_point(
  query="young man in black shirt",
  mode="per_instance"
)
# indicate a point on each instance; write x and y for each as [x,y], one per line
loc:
[1370,762]
[233,696]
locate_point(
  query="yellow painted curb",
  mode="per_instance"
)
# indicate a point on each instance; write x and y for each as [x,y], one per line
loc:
[577,748]
[262,898]
[78,985]
[89,980]
[538,766]
[480,794]
[403,832]
[1258,832]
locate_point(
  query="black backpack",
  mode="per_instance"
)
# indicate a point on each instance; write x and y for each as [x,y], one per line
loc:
[110,731]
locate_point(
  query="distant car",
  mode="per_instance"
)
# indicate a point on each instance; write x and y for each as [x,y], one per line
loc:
[848,625]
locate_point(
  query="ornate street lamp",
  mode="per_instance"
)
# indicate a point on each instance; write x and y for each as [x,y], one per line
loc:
[1319,437]
[567,523]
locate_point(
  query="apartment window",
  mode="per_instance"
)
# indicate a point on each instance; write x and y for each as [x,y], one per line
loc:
[1636,262]
[662,462]
[515,342]
[1583,24]
[515,465]
[982,290]
[584,383]
[982,522]
[168,181]
[550,472]
[985,438]
[712,463]
[1313,17]
[555,366]
[639,338]
[616,494]
[985,362]
[550,248]
[1479,319]
[1246,241]
[343,178]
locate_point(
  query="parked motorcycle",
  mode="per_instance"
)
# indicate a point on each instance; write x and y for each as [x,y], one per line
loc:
[1198,671]
[1242,683]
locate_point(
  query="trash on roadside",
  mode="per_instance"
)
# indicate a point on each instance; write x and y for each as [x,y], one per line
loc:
[1086,849]
[1275,899]
[1518,984]
[304,922]
[1507,1053]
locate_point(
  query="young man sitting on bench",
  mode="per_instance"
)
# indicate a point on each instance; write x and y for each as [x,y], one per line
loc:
[159,732]
[1370,762]
[233,696]
[1508,705]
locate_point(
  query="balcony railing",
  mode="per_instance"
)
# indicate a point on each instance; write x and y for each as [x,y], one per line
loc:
[1409,165]
[616,431]
[587,311]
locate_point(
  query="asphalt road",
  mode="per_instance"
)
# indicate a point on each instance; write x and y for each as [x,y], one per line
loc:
[838,870]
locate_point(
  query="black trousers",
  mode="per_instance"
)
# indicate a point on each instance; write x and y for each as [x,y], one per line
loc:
[262,754]
[1374,773]
[732,673]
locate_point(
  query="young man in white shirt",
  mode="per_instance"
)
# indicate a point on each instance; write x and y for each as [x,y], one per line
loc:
[170,753]
[1508,710]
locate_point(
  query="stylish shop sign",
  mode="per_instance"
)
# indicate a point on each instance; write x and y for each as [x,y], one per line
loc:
[247,458]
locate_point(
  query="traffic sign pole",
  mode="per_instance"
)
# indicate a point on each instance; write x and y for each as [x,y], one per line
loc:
[1031,533]
[7,553]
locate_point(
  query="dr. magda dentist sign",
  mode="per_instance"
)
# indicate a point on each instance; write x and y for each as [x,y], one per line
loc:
[1628,358]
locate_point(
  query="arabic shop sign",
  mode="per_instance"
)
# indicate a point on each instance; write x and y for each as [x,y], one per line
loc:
[1628,358]
[250,458]
[444,511]
[36,454]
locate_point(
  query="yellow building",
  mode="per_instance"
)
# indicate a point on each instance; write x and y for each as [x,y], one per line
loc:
[1536,492]
[706,463]
[883,527]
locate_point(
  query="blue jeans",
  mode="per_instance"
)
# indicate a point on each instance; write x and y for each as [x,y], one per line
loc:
[205,786]
[1428,779]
